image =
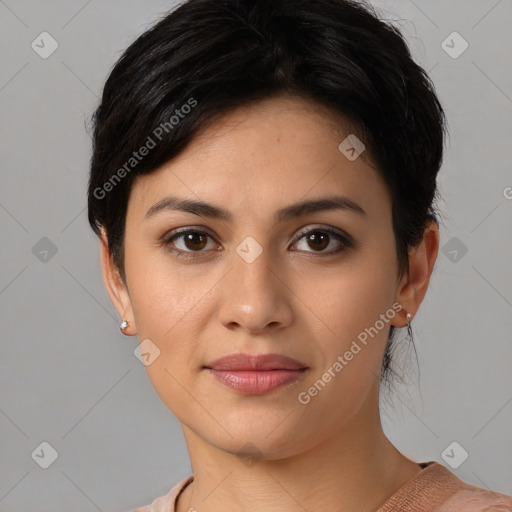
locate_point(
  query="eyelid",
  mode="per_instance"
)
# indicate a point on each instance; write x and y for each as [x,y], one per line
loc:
[319,227]
[186,229]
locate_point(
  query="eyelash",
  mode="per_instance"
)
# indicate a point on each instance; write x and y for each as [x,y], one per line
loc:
[346,242]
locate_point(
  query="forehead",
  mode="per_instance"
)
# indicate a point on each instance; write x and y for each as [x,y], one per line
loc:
[263,156]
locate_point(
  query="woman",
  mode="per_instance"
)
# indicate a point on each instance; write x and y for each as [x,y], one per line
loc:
[263,183]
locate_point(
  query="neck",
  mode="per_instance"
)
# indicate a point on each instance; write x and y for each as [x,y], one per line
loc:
[357,468]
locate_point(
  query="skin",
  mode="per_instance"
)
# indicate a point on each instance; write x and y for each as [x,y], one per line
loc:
[330,454]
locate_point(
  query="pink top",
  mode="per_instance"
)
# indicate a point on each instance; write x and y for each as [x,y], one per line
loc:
[433,489]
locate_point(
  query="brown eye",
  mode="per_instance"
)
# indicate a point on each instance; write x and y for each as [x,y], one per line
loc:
[318,240]
[186,243]
[195,241]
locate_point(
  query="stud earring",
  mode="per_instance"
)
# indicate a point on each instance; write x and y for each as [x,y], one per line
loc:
[123,326]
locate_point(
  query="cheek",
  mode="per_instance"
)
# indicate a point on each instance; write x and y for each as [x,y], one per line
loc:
[167,305]
[352,351]
[161,292]
[172,306]
[353,296]
[356,304]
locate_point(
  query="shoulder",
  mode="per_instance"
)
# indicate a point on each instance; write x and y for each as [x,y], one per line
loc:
[167,502]
[465,497]
[475,499]
[437,489]
[460,496]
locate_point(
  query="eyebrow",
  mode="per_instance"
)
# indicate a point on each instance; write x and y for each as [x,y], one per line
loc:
[202,209]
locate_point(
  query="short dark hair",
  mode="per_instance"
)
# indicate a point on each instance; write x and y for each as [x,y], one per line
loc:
[208,57]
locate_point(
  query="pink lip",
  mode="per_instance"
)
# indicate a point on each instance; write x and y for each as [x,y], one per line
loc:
[256,374]
[255,362]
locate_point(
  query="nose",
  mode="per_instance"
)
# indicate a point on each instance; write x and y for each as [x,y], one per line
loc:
[255,296]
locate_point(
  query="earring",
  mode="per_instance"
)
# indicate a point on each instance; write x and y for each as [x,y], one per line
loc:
[409,328]
[124,325]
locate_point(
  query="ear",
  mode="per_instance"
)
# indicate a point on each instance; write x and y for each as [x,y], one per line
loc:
[413,286]
[116,288]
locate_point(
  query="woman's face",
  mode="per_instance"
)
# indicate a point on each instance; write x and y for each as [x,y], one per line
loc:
[257,282]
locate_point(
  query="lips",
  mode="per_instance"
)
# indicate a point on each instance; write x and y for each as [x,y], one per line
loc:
[248,362]
[256,374]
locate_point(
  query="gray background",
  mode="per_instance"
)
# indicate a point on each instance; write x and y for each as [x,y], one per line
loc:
[68,376]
